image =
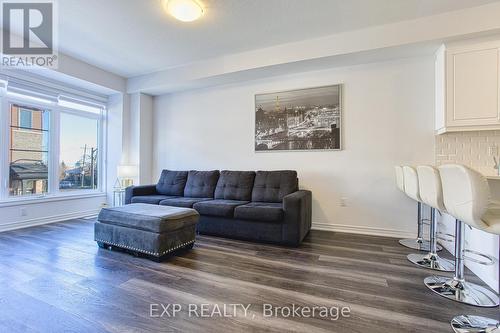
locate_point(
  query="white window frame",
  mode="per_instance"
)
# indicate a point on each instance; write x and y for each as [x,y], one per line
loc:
[54,148]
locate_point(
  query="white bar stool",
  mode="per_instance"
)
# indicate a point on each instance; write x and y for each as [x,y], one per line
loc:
[466,198]
[478,211]
[407,181]
[431,194]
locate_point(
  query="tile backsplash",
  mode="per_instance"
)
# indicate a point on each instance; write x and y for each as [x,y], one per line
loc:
[469,148]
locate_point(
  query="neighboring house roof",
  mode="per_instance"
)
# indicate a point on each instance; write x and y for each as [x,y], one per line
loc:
[75,171]
[28,171]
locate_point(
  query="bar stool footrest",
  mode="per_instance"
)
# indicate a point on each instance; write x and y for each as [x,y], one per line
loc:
[490,260]
[449,238]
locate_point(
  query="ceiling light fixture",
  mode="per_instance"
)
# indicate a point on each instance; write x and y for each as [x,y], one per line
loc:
[183,10]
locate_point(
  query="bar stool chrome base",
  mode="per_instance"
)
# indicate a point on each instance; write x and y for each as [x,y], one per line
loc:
[433,262]
[462,291]
[475,324]
[414,243]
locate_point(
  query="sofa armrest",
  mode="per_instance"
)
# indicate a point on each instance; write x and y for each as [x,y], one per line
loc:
[133,191]
[298,216]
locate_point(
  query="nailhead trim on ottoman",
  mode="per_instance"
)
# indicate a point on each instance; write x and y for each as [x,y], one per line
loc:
[156,254]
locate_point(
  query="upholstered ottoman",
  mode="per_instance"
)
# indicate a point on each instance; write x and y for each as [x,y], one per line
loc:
[151,230]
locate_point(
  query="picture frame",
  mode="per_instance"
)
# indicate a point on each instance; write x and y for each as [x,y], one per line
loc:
[307,119]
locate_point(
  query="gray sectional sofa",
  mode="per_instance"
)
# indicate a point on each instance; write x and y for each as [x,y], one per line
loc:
[265,206]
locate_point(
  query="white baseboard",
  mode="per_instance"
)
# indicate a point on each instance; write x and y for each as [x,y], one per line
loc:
[353,229]
[315,226]
[47,220]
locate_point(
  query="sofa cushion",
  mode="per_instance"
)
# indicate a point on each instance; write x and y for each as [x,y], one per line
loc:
[150,199]
[260,211]
[235,185]
[172,182]
[201,184]
[273,186]
[218,207]
[183,202]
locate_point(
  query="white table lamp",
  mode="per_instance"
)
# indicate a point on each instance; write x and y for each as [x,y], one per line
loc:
[126,173]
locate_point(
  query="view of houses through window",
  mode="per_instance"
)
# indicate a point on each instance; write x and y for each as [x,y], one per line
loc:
[78,157]
[29,150]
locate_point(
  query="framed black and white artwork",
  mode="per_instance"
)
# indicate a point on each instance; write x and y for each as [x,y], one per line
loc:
[303,119]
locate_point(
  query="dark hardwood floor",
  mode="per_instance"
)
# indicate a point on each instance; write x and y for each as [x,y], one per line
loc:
[54,278]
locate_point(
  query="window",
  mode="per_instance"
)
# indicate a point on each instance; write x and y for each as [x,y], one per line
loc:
[29,151]
[50,147]
[25,118]
[79,152]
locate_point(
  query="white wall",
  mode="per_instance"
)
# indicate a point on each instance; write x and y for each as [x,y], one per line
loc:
[146,148]
[140,136]
[117,145]
[133,138]
[34,213]
[388,120]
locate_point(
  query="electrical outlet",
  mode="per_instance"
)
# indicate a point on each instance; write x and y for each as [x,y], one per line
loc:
[343,202]
[24,212]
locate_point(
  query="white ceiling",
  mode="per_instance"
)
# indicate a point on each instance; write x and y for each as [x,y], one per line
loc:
[135,37]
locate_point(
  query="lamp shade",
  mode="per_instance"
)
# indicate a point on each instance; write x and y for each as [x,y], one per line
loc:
[128,171]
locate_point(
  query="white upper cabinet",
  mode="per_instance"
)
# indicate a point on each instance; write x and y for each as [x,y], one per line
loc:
[468,87]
